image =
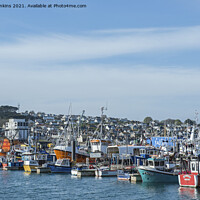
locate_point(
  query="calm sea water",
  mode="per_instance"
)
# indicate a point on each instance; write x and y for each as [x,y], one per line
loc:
[20,185]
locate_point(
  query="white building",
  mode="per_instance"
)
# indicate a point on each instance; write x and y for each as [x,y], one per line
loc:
[17,129]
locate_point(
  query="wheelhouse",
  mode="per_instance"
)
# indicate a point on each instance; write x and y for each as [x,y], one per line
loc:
[195,167]
[156,163]
[63,162]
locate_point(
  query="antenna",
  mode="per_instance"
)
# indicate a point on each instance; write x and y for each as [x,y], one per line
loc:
[70,109]
[106,106]
[18,106]
[196,116]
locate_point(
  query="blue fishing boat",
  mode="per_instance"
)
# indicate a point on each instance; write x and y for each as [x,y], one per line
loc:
[123,175]
[17,165]
[61,166]
[157,172]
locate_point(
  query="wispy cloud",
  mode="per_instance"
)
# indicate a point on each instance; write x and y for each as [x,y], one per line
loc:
[132,93]
[64,48]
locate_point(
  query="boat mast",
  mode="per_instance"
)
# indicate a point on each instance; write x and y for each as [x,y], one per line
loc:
[197,139]
[79,122]
[102,117]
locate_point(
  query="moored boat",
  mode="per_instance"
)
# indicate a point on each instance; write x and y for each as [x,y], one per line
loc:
[105,172]
[63,151]
[156,172]
[123,175]
[61,166]
[78,168]
[17,165]
[33,160]
[192,178]
[30,165]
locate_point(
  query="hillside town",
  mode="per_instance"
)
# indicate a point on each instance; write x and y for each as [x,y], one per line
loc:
[121,131]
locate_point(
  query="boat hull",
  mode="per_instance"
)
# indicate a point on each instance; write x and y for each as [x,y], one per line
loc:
[59,169]
[61,154]
[155,176]
[105,173]
[123,176]
[189,180]
[30,168]
[74,172]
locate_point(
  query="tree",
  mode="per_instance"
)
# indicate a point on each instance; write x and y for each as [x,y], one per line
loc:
[189,121]
[147,120]
[5,109]
[178,122]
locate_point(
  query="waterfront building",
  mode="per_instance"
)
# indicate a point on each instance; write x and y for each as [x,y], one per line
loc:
[17,129]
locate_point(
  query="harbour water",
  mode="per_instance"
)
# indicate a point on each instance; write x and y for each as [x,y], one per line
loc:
[20,185]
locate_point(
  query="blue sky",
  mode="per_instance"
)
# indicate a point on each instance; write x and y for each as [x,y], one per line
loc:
[140,58]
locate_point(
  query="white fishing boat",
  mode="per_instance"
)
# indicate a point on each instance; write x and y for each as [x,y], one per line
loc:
[123,175]
[105,172]
[78,168]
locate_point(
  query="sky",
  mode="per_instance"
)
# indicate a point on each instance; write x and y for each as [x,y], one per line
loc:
[138,58]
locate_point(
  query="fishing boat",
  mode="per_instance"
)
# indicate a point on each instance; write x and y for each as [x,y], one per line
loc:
[33,160]
[123,175]
[61,166]
[30,163]
[14,165]
[63,151]
[190,178]
[78,168]
[157,172]
[83,172]
[105,171]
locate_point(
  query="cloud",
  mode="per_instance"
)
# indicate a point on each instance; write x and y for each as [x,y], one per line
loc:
[130,92]
[99,45]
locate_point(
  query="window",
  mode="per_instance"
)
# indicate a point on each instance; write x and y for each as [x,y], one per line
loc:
[162,163]
[197,166]
[156,163]
[19,123]
[193,167]
[150,163]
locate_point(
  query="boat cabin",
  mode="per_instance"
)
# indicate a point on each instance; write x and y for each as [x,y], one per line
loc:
[98,145]
[147,152]
[194,167]
[63,162]
[31,163]
[27,156]
[127,149]
[157,163]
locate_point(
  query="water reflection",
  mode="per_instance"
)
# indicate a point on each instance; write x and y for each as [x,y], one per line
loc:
[75,177]
[189,193]
[98,178]
[4,176]
[27,173]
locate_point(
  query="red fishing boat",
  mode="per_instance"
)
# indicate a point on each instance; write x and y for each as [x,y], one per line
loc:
[191,178]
